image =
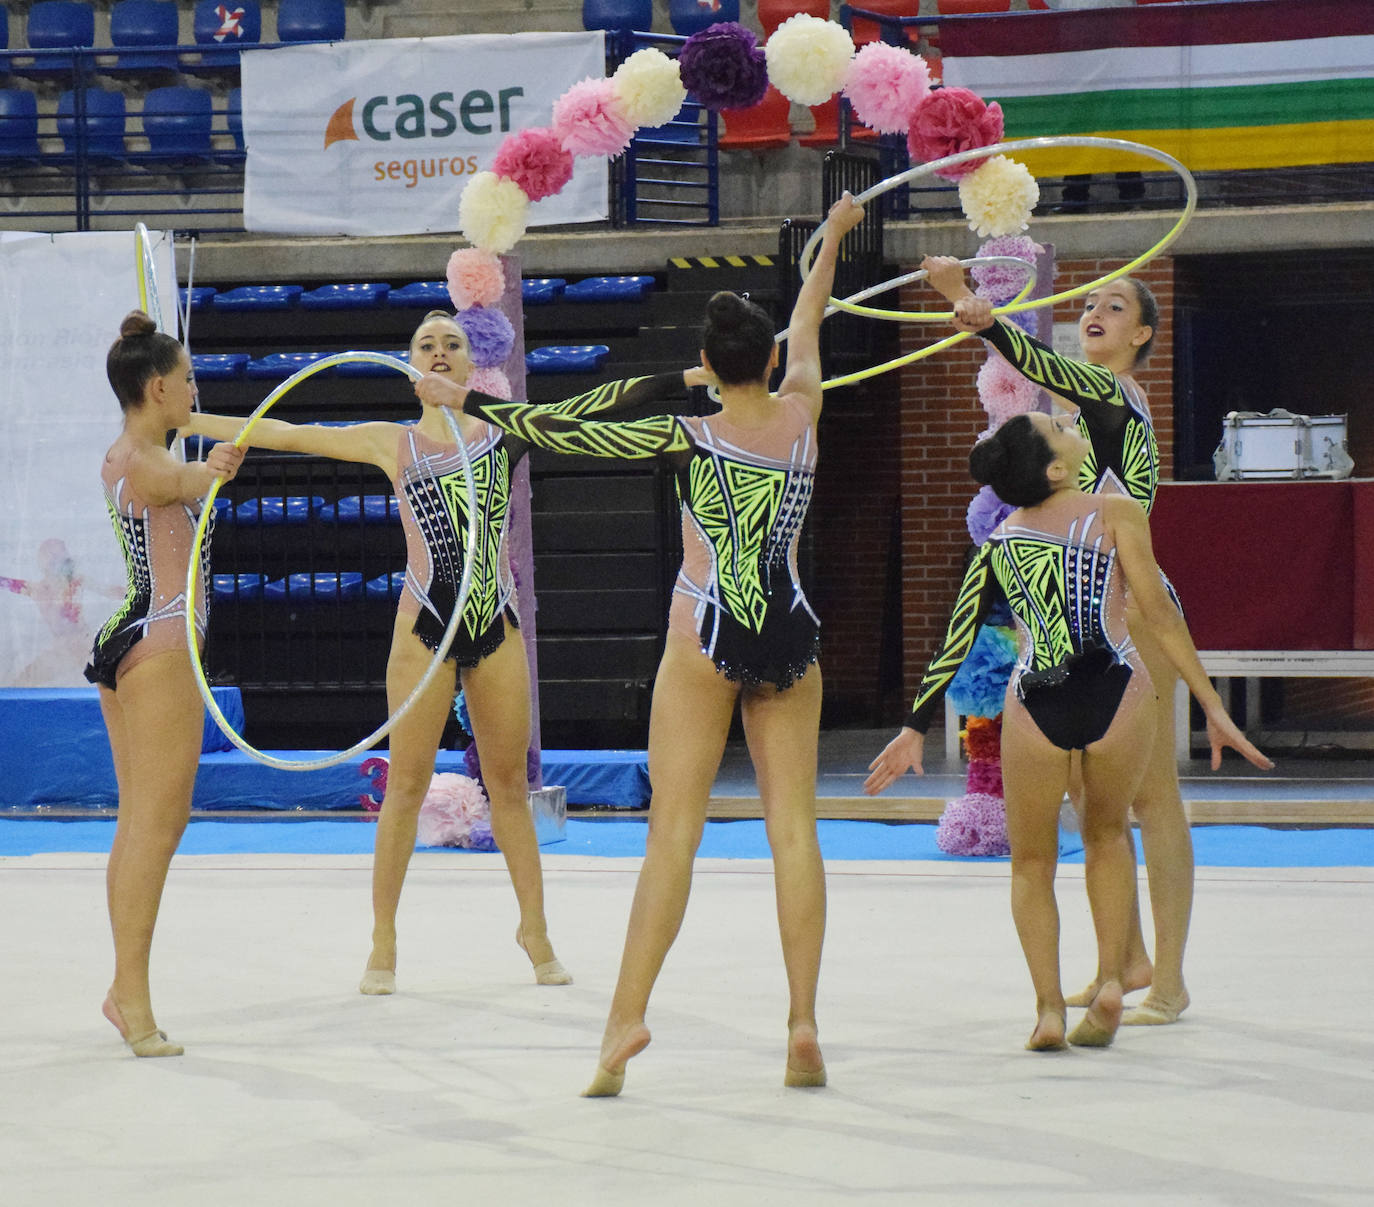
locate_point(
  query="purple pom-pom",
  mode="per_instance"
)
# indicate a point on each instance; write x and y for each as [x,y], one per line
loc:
[985,512]
[975,824]
[471,763]
[724,66]
[490,335]
[998,282]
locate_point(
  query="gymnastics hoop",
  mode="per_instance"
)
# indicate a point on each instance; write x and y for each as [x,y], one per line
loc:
[1016,306]
[149,300]
[460,601]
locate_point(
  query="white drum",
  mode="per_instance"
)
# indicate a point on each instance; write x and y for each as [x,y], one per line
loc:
[1281,445]
[1325,454]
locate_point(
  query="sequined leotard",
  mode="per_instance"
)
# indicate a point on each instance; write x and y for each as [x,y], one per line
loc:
[156,543]
[433,502]
[1067,594]
[744,495]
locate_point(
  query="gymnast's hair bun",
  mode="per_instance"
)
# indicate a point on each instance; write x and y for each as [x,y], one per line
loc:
[725,308]
[136,323]
[988,457]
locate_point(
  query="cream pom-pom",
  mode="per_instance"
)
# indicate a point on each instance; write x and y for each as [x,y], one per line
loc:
[998,198]
[808,58]
[649,88]
[491,212]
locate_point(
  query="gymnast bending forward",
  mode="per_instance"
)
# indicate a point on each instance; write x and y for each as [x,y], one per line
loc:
[739,630]
[1116,331]
[148,694]
[1064,560]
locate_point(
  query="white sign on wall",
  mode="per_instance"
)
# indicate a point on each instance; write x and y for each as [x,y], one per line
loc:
[379,138]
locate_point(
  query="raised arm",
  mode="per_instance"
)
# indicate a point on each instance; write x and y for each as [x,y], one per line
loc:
[368,443]
[161,479]
[1131,530]
[803,374]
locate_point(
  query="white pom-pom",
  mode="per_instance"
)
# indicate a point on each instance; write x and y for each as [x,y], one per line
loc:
[998,198]
[491,212]
[808,58]
[649,88]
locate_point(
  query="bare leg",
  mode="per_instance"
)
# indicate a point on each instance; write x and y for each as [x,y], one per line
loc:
[414,743]
[156,736]
[781,729]
[1034,776]
[498,696]
[688,724]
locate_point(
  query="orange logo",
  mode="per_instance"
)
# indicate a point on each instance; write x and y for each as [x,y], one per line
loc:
[340,127]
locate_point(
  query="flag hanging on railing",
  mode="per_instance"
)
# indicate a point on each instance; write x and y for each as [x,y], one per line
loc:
[1248,84]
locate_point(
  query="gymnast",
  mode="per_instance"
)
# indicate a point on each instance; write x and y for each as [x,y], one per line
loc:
[1064,560]
[739,629]
[1116,331]
[424,467]
[140,661]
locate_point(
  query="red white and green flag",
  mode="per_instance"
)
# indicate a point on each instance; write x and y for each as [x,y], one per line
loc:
[1230,84]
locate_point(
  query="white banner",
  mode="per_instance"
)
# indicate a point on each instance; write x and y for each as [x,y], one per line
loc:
[379,138]
[61,575]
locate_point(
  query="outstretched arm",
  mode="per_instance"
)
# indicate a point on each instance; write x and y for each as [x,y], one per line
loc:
[803,374]
[1131,530]
[368,443]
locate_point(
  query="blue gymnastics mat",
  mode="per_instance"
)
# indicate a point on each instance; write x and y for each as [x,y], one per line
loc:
[1216,846]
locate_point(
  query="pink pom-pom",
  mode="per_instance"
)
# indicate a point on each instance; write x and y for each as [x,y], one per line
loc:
[975,824]
[490,381]
[885,84]
[454,810]
[1003,392]
[985,778]
[589,119]
[997,282]
[475,278]
[950,120]
[535,160]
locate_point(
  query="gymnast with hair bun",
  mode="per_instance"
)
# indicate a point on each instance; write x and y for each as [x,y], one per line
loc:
[1064,561]
[1116,331]
[140,661]
[739,629]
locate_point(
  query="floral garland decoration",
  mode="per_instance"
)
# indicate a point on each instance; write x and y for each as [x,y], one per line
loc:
[807,59]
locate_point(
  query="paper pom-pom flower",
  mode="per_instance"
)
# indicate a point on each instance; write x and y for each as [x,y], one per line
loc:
[588,119]
[724,66]
[649,87]
[985,779]
[998,198]
[983,738]
[491,212]
[455,813]
[997,282]
[490,381]
[975,824]
[808,58]
[535,160]
[475,278]
[950,120]
[1003,391]
[979,686]
[490,335]
[985,512]
[885,84]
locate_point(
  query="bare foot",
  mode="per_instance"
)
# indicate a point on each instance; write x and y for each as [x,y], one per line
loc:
[1156,1010]
[1098,1027]
[1137,976]
[615,1053]
[805,1065]
[547,971]
[1048,1035]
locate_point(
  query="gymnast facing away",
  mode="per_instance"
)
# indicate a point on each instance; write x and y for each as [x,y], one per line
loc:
[148,694]
[1064,561]
[739,630]
[490,665]
[1116,331]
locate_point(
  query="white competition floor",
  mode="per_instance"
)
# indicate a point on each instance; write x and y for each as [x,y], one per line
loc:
[462,1088]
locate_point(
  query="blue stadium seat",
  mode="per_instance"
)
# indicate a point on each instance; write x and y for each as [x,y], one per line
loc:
[540,291]
[310,21]
[618,14]
[345,297]
[143,23]
[18,125]
[421,293]
[57,25]
[219,366]
[198,298]
[386,586]
[277,366]
[105,122]
[692,16]
[367,509]
[233,116]
[229,587]
[176,121]
[566,358]
[219,28]
[326,587]
[224,510]
[609,289]
[269,512]
[195,448]
[366,368]
[258,297]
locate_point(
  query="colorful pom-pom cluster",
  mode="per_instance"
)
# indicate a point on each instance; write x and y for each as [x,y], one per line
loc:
[808,60]
[976,823]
